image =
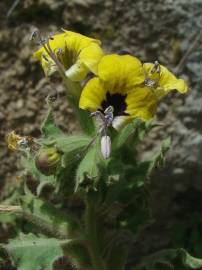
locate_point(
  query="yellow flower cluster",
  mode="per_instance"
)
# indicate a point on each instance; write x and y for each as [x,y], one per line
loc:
[132,88]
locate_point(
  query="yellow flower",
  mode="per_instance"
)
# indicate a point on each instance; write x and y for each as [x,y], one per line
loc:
[120,84]
[77,53]
[162,81]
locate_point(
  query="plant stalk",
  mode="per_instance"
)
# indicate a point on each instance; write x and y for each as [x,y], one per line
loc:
[92,236]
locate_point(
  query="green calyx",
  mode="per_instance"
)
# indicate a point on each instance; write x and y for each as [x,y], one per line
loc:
[48,160]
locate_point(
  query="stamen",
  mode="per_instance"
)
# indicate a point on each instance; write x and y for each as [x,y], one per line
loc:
[156,68]
[108,110]
[150,83]
[59,51]
[45,57]
[34,34]
[109,115]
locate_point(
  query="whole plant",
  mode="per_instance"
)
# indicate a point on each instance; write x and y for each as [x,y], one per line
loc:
[84,196]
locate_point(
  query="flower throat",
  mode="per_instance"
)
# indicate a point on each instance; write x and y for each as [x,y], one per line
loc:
[117,101]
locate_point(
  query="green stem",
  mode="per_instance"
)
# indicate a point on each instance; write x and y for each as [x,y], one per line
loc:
[85,121]
[92,236]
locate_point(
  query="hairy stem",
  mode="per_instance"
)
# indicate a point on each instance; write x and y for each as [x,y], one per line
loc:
[92,236]
[15,209]
[42,225]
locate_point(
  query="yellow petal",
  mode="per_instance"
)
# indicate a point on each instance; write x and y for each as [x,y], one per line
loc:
[57,45]
[120,72]
[167,81]
[76,42]
[71,49]
[48,65]
[56,42]
[92,95]
[141,103]
[91,56]
[77,72]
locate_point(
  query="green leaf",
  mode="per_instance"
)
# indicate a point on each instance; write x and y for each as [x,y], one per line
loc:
[7,218]
[88,167]
[48,218]
[125,133]
[117,256]
[78,255]
[83,117]
[136,130]
[85,121]
[188,260]
[159,158]
[166,145]
[173,258]
[48,128]
[29,252]
[143,129]
[68,144]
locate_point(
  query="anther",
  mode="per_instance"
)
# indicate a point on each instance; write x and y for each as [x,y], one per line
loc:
[156,68]
[59,51]
[150,83]
[45,57]
[34,34]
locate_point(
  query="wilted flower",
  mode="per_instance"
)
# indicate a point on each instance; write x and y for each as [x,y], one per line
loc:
[131,89]
[15,141]
[77,53]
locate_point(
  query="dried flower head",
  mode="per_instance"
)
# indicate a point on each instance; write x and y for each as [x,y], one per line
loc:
[16,142]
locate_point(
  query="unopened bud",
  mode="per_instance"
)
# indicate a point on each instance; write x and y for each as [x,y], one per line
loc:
[105,146]
[48,160]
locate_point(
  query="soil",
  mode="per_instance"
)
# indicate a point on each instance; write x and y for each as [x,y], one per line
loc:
[150,30]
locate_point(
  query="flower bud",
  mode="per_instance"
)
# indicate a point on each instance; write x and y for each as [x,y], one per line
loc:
[105,146]
[48,160]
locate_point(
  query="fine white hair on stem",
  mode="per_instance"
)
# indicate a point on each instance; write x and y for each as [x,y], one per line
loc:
[11,9]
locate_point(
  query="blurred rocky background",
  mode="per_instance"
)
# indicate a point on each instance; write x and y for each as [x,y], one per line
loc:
[150,30]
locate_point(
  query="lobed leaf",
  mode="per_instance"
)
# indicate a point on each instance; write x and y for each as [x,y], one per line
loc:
[68,144]
[34,253]
[48,218]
